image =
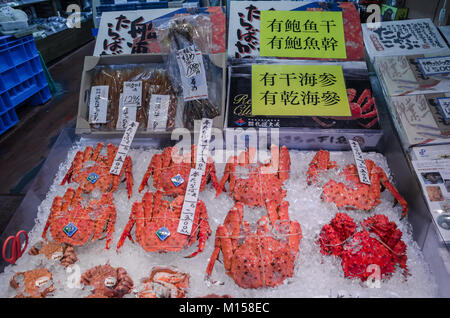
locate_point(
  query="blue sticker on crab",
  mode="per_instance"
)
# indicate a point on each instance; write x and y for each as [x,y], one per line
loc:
[177,180]
[93,177]
[70,229]
[163,233]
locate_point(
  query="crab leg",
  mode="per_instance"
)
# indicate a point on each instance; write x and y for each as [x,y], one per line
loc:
[204,229]
[285,164]
[154,167]
[320,162]
[385,181]
[222,243]
[132,220]
[229,174]
[77,163]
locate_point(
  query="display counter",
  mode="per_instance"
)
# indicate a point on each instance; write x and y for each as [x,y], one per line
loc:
[434,252]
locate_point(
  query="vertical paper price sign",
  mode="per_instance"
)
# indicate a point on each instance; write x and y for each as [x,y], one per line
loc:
[124,146]
[190,202]
[299,90]
[317,34]
[360,162]
[203,144]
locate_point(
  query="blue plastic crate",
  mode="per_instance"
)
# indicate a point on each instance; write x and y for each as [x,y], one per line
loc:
[15,51]
[7,120]
[41,97]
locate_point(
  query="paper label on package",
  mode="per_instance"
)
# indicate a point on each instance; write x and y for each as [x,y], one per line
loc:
[203,144]
[193,75]
[98,104]
[299,90]
[314,34]
[434,65]
[190,202]
[124,146]
[360,163]
[444,106]
[405,37]
[132,94]
[126,114]
[158,112]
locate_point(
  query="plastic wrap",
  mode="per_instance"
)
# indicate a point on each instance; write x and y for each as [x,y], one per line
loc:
[179,36]
[154,81]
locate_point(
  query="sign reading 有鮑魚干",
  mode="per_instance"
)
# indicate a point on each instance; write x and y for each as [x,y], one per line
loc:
[299,90]
[313,34]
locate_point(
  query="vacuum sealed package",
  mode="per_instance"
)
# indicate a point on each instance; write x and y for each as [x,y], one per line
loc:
[192,72]
[124,93]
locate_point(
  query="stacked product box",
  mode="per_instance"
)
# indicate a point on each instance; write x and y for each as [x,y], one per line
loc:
[417,90]
[245,48]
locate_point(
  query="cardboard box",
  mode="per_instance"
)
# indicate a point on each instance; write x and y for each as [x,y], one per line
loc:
[90,62]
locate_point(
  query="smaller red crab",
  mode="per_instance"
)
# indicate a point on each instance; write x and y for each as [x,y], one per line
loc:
[377,243]
[73,224]
[108,282]
[157,224]
[164,283]
[358,195]
[55,251]
[37,283]
[90,169]
[170,171]
[264,258]
[262,182]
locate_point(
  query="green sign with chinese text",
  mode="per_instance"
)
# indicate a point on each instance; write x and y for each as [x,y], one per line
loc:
[315,34]
[299,90]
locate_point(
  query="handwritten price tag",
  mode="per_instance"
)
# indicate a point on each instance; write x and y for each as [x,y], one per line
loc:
[203,144]
[98,104]
[132,94]
[124,146]
[360,163]
[190,202]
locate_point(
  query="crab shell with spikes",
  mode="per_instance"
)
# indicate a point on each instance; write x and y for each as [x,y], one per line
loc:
[264,258]
[359,196]
[264,181]
[155,215]
[71,223]
[169,164]
[90,169]
[377,243]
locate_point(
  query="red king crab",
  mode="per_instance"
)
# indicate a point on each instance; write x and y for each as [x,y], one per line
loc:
[264,258]
[37,283]
[164,283]
[358,195]
[262,181]
[55,251]
[73,224]
[377,243]
[157,223]
[359,110]
[90,169]
[108,282]
[170,171]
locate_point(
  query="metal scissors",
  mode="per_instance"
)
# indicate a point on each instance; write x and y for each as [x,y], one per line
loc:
[16,247]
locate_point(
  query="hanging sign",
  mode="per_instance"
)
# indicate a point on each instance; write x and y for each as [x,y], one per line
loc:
[299,90]
[315,34]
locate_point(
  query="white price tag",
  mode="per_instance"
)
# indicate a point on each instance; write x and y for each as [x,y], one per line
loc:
[444,105]
[98,104]
[158,112]
[203,144]
[126,114]
[132,94]
[190,202]
[434,65]
[360,163]
[124,146]
[193,76]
